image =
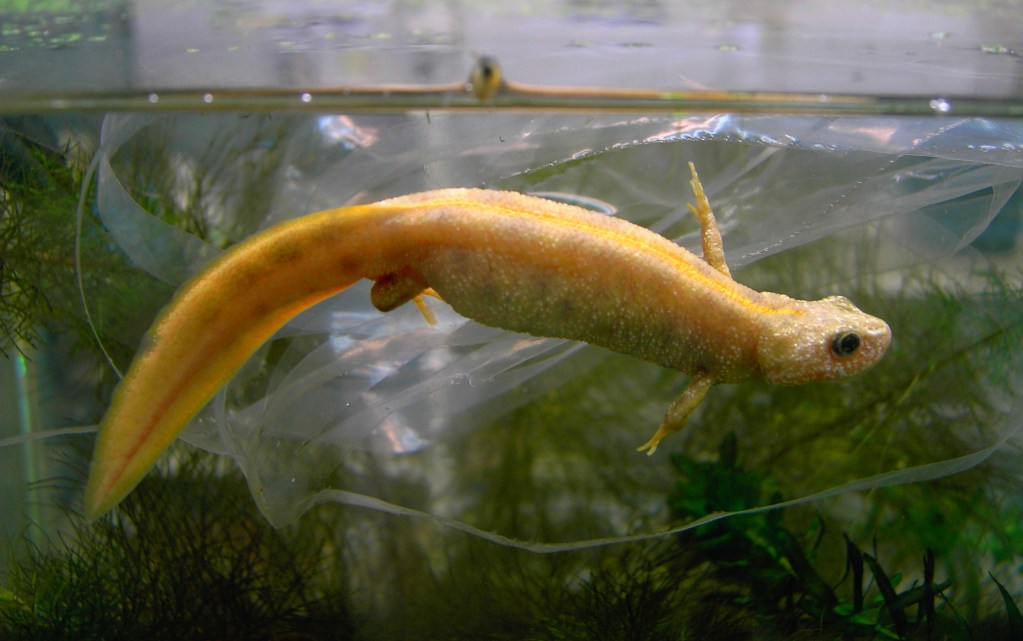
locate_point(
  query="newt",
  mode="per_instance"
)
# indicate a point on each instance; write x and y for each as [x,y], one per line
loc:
[501,258]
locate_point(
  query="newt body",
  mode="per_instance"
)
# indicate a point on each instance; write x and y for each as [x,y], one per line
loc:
[504,259]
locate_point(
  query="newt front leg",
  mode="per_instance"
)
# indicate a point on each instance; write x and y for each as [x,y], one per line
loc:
[710,235]
[678,413]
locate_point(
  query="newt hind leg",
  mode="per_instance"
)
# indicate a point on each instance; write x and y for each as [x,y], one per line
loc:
[713,249]
[393,290]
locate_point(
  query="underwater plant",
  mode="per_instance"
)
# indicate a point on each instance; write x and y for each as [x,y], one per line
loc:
[768,568]
[38,190]
[189,558]
[752,577]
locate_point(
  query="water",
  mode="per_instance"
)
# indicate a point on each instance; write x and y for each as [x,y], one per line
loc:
[349,412]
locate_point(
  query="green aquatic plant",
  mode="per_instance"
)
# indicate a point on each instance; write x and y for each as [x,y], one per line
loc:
[188,557]
[762,576]
[954,390]
[1014,618]
[770,569]
[221,192]
[38,193]
[754,577]
[40,189]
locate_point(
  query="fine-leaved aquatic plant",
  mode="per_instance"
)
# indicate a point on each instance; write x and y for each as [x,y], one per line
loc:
[188,558]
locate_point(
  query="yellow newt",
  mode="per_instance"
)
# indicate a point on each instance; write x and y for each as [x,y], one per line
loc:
[504,259]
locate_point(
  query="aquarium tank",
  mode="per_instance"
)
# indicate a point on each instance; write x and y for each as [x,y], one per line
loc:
[422,473]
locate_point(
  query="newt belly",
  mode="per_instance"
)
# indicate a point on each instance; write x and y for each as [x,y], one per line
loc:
[504,259]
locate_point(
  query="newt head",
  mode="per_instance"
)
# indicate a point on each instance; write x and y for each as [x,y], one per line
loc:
[824,339]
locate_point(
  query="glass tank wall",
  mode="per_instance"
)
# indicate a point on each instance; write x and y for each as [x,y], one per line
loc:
[369,475]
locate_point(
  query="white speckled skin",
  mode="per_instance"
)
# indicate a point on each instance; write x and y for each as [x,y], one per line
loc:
[626,289]
[504,259]
[604,290]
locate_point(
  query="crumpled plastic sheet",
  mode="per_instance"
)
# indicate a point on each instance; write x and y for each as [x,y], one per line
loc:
[390,385]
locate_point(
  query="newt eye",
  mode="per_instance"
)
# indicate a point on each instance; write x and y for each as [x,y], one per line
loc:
[845,344]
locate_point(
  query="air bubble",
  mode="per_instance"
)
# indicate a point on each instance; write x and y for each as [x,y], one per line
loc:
[941,105]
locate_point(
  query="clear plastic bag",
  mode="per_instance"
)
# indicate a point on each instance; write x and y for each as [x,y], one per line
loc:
[354,388]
